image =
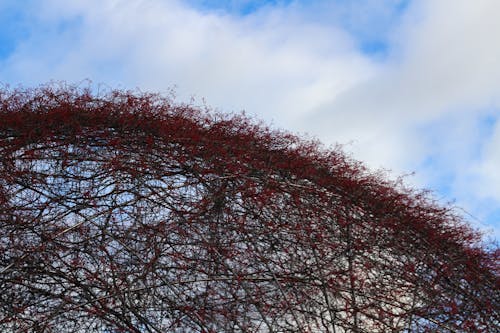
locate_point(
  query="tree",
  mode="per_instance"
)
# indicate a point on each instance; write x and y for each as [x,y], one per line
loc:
[125,212]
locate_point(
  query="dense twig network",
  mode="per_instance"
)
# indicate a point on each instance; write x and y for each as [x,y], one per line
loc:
[128,213]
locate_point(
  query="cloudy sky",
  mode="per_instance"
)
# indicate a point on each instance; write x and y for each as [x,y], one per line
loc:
[406,85]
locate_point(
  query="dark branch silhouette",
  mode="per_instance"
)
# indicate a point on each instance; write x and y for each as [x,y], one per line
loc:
[125,212]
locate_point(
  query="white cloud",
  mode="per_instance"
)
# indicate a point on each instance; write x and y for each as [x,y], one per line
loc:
[447,61]
[274,63]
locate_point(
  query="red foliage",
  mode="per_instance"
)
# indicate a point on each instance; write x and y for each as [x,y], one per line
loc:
[126,212]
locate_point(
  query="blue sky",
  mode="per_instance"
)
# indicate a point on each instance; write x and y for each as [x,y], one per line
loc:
[370,29]
[408,86]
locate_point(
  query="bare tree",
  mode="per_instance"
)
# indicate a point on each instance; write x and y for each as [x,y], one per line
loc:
[128,213]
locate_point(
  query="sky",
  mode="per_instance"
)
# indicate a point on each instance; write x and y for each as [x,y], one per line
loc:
[409,86]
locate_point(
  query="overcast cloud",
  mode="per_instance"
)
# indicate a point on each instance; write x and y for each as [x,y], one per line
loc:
[409,85]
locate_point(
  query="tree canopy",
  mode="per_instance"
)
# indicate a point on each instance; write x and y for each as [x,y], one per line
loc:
[127,212]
